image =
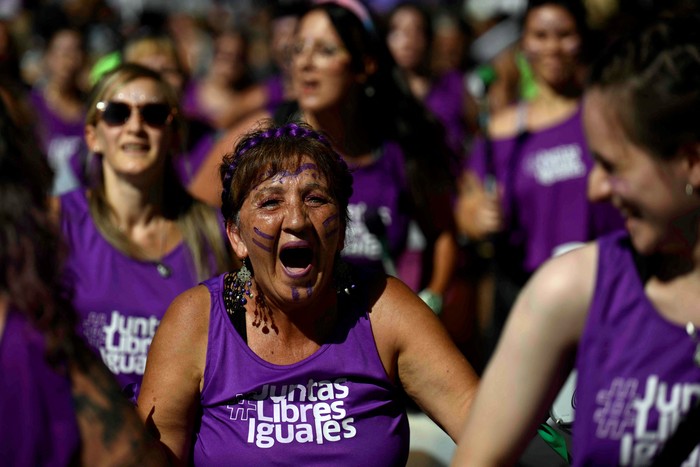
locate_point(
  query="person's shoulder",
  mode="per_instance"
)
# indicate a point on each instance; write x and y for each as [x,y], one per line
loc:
[567,279]
[72,204]
[189,311]
[505,123]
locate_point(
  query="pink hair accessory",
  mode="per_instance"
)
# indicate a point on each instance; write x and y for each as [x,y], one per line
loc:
[354,6]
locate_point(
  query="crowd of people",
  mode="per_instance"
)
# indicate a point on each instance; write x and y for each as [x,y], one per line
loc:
[269,238]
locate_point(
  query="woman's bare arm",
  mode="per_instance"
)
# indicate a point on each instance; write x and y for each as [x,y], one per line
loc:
[174,371]
[417,352]
[531,361]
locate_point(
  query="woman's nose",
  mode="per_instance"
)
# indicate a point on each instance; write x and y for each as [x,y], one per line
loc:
[297,217]
[599,186]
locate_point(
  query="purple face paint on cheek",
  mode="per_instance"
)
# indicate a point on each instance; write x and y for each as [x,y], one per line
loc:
[329,225]
[263,235]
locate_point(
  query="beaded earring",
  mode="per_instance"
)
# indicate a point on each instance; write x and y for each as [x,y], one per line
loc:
[342,276]
[238,290]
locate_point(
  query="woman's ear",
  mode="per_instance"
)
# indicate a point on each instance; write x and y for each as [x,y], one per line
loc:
[234,238]
[91,139]
[691,156]
[369,68]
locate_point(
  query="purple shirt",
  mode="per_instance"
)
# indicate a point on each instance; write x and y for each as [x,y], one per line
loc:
[119,300]
[446,100]
[38,426]
[335,407]
[544,179]
[61,140]
[636,375]
[379,210]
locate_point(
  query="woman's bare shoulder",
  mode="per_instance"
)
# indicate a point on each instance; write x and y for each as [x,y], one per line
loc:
[504,123]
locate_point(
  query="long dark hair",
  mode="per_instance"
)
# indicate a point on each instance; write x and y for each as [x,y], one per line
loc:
[391,112]
[654,76]
[31,250]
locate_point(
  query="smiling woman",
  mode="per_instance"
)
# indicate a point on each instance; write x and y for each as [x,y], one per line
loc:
[136,238]
[295,356]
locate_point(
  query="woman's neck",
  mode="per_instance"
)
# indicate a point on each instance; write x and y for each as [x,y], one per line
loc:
[349,136]
[133,205]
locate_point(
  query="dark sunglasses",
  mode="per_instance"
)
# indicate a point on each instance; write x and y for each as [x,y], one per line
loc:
[118,113]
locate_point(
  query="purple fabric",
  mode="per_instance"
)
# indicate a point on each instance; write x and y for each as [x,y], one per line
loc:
[120,301]
[190,102]
[187,165]
[336,407]
[37,419]
[544,179]
[60,140]
[275,93]
[446,100]
[636,375]
[379,213]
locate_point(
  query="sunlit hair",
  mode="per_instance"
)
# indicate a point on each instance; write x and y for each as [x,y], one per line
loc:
[198,223]
[270,149]
[653,80]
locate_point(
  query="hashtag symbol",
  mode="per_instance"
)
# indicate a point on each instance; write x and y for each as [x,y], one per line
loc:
[615,412]
[242,409]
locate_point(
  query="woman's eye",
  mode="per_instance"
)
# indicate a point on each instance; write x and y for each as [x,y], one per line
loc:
[328,50]
[269,203]
[316,199]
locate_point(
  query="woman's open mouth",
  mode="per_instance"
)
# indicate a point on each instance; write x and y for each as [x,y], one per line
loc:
[297,261]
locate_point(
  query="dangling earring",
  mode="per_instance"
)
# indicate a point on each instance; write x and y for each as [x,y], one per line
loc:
[238,290]
[689,189]
[342,276]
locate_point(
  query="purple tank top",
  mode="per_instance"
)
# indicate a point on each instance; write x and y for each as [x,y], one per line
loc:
[446,100]
[379,213]
[636,375]
[37,419]
[544,179]
[336,407]
[61,140]
[119,300]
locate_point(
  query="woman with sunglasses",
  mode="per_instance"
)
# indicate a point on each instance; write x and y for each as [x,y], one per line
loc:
[136,237]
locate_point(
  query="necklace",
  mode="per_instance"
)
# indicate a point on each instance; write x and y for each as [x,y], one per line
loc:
[692,332]
[163,269]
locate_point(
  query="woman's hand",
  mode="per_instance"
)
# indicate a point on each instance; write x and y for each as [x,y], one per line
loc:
[478,211]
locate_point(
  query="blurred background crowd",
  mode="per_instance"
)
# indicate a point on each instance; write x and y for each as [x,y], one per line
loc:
[229,60]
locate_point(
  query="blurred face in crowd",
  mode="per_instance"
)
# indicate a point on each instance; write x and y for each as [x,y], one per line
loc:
[321,74]
[648,191]
[551,42]
[406,39]
[229,62]
[132,131]
[64,56]
[167,66]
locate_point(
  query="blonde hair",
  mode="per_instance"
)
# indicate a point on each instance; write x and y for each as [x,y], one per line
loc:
[198,223]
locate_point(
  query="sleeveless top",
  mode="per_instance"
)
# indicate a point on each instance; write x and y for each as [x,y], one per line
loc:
[636,374]
[38,426]
[544,179]
[61,140]
[335,407]
[119,300]
[379,211]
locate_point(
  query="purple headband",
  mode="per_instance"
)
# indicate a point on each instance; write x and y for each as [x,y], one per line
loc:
[293,130]
[356,7]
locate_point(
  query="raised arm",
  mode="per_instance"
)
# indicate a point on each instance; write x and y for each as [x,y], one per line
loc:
[532,359]
[417,352]
[174,372]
